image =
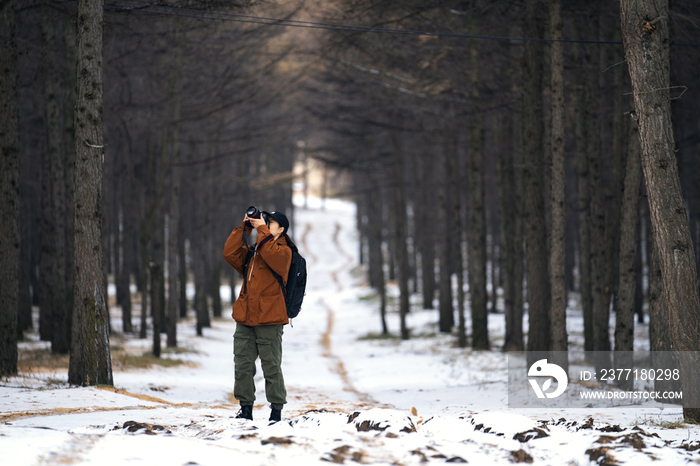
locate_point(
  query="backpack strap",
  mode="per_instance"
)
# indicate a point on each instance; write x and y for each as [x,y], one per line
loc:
[248,256]
[284,290]
[281,282]
[279,277]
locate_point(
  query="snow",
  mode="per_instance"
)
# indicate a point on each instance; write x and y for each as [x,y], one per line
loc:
[351,398]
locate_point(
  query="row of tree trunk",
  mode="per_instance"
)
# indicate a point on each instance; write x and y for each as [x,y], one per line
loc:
[141,197]
[561,198]
[509,163]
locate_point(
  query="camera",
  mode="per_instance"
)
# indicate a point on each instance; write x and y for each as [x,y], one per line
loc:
[254,212]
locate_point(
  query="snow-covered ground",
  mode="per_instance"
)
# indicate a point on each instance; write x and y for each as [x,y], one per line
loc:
[351,398]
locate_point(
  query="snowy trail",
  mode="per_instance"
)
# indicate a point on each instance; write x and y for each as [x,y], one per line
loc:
[326,341]
[352,399]
[326,262]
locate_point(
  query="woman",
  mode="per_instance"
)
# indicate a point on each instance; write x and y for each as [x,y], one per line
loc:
[260,311]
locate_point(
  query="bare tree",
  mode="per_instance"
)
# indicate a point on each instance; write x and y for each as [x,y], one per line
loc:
[401,227]
[9,196]
[624,318]
[174,212]
[645,37]
[538,291]
[444,244]
[90,361]
[558,192]
[511,239]
[477,241]
[54,236]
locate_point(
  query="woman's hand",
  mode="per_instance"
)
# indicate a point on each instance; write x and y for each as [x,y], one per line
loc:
[256,222]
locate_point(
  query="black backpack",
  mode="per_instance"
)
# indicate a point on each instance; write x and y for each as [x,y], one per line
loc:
[296,284]
[296,281]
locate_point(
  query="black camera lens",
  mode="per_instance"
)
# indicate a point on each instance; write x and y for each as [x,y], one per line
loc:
[252,212]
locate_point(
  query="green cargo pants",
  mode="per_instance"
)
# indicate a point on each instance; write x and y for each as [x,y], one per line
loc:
[249,343]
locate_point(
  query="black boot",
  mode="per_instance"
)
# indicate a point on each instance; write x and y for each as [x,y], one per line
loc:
[246,412]
[275,415]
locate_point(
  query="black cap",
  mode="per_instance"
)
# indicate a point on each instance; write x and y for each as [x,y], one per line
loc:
[280,218]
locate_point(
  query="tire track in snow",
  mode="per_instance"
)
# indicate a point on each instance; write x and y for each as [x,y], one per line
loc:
[343,252]
[326,338]
[307,251]
[338,366]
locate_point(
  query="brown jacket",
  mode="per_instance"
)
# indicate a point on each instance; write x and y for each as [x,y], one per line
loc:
[260,301]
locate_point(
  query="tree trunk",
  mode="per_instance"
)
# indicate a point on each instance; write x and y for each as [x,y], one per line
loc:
[493,255]
[455,218]
[90,361]
[557,262]
[401,230]
[214,263]
[182,271]
[215,289]
[24,316]
[627,281]
[600,290]
[150,222]
[144,279]
[201,305]
[538,292]
[477,241]
[47,247]
[375,252]
[60,326]
[660,340]
[156,267]
[376,256]
[124,259]
[645,36]
[443,233]
[424,228]
[174,211]
[584,228]
[511,237]
[69,111]
[659,332]
[9,200]
[618,160]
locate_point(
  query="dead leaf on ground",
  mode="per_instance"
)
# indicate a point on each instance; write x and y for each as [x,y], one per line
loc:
[277,441]
[520,456]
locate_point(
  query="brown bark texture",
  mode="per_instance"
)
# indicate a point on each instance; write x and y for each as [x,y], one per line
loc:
[538,290]
[90,361]
[646,41]
[558,191]
[174,212]
[9,198]
[511,248]
[426,242]
[584,231]
[446,311]
[600,289]
[627,278]
[659,331]
[477,241]
[401,229]
[454,180]
[56,278]
[374,211]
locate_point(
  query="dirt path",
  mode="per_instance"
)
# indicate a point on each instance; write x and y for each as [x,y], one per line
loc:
[326,340]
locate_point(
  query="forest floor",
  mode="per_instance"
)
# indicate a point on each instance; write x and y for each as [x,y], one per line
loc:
[354,396]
